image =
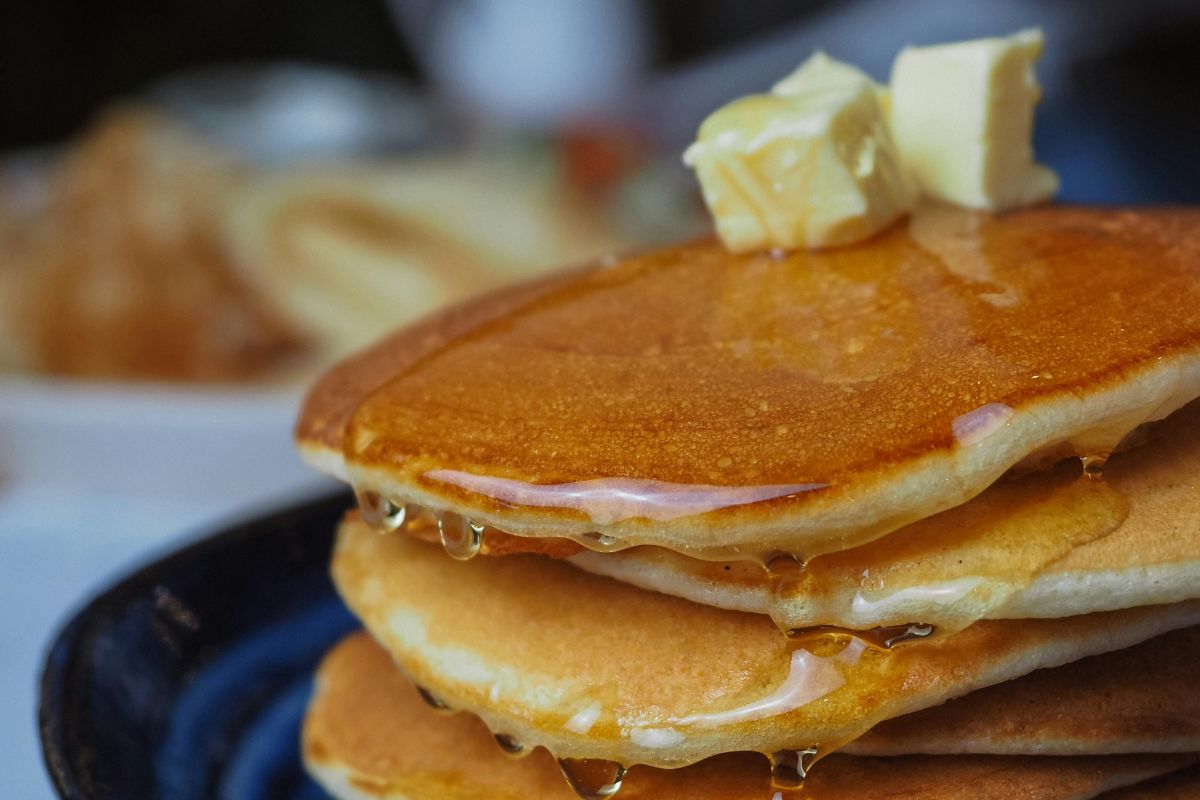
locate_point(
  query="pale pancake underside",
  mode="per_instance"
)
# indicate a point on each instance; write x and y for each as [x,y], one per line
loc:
[368,735]
[590,667]
[1022,549]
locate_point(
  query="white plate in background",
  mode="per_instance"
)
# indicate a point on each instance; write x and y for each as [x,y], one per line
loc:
[227,445]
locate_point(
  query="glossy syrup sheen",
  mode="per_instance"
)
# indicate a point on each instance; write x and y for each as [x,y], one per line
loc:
[948,570]
[690,381]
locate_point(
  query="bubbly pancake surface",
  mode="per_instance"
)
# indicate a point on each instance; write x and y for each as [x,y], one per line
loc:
[593,668]
[1050,544]
[809,402]
[368,735]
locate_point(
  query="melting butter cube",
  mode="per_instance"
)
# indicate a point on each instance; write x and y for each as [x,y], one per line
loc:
[811,165]
[962,115]
[821,73]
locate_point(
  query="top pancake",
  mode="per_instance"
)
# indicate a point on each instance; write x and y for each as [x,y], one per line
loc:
[728,405]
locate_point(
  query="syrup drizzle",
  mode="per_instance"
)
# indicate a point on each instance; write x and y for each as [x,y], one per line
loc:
[608,500]
[881,638]
[785,572]
[869,591]
[592,778]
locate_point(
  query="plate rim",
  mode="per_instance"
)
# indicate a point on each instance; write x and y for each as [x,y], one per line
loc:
[61,657]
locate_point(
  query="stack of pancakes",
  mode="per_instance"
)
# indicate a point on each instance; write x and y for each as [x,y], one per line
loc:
[930,501]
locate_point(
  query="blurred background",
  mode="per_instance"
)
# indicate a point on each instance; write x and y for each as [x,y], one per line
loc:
[203,204]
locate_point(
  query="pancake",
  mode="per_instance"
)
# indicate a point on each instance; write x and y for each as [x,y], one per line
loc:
[1181,785]
[367,734]
[738,406]
[593,668]
[1041,546]
[1141,699]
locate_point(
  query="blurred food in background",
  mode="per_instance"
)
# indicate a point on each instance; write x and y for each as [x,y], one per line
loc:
[123,271]
[350,252]
[154,253]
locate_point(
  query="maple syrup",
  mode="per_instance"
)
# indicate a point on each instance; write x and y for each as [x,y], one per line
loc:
[592,778]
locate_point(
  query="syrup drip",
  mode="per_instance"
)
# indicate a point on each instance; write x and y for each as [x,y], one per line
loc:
[433,701]
[379,512]
[789,768]
[511,746]
[592,778]
[882,638]
[784,570]
[994,547]
[599,541]
[1093,467]
[785,574]
[461,537]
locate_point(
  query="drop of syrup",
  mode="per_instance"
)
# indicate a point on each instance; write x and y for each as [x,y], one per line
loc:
[379,512]
[511,745]
[461,537]
[592,778]
[789,768]
[785,574]
[909,633]
[784,570]
[1093,467]
[598,541]
[433,701]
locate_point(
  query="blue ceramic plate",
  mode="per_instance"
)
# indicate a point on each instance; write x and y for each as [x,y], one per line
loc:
[189,679]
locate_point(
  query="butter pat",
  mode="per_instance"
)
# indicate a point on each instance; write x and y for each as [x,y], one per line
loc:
[962,117]
[820,73]
[810,165]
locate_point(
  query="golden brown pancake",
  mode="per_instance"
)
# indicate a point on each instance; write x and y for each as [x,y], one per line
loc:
[593,668]
[734,406]
[368,735]
[1049,544]
[332,401]
[1142,699]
